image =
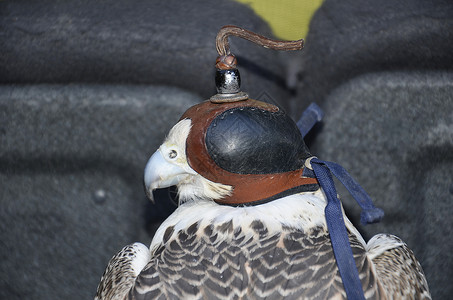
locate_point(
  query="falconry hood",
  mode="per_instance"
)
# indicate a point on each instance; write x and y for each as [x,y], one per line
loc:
[248,144]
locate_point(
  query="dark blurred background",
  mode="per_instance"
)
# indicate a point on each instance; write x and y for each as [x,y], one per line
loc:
[88,90]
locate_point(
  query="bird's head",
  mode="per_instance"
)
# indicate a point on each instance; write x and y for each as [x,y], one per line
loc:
[169,166]
[232,153]
[231,149]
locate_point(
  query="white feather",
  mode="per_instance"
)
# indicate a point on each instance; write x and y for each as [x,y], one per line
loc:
[302,211]
[380,243]
[142,257]
[190,184]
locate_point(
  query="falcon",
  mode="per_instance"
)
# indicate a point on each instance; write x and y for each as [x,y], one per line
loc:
[251,219]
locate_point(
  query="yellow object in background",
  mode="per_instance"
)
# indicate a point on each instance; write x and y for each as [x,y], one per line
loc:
[289,19]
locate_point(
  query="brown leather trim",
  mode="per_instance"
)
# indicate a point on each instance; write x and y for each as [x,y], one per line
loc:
[247,187]
[251,188]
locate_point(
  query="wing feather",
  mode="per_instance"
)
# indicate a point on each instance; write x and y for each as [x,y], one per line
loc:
[121,272]
[249,263]
[397,268]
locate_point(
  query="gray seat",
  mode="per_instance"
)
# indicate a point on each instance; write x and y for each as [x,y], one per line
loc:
[88,91]
[383,73]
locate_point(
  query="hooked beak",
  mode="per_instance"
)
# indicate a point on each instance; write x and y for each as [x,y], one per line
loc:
[160,173]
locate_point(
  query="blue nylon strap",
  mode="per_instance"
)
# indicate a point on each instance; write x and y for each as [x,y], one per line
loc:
[370,213]
[323,171]
[338,234]
[311,115]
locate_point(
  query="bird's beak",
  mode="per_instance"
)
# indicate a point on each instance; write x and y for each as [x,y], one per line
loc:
[160,173]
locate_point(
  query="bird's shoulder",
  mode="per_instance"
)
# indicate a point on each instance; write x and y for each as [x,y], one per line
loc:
[245,256]
[121,271]
[226,261]
[398,270]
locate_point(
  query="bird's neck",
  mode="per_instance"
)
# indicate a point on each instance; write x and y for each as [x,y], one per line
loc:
[300,211]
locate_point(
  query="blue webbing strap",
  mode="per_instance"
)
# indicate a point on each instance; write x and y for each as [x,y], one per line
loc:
[311,115]
[334,217]
[335,223]
[370,214]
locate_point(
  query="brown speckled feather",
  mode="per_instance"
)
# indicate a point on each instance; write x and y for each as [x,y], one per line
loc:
[398,270]
[280,250]
[123,268]
[195,263]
